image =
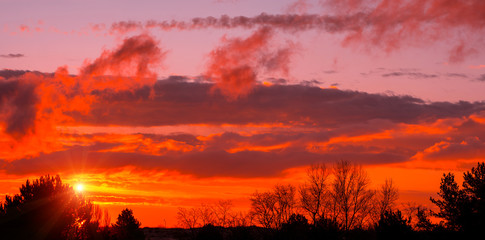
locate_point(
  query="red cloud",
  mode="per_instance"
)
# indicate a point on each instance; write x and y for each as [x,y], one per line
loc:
[32,105]
[298,126]
[234,66]
[384,24]
[133,60]
[392,23]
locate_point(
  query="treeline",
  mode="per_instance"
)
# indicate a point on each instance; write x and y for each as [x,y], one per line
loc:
[48,209]
[333,203]
[338,203]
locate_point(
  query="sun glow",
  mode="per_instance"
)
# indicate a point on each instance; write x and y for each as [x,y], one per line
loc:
[80,187]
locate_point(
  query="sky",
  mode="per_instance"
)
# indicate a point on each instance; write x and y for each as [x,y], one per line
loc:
[155,105]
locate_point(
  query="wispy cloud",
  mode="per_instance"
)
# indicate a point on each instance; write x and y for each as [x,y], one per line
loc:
[409,74]
[457,75]
[476,67]
[367,23]
[12,55]
[481,78]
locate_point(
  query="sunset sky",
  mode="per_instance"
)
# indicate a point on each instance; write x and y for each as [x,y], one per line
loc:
[155,105]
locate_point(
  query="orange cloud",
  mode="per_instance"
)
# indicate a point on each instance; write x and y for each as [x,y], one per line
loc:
[235,65]
[248,147]
[131,64]
[476,67]
[34,104]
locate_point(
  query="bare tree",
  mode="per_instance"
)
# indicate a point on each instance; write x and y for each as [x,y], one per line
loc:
[419,216]
[352,200]
[285,199]
[240,219]
[188,218]
[206,214]
[314,192]
[387,197]
[222,212]
[263,209]
[273,208]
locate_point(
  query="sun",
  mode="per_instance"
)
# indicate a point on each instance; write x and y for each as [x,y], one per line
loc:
[79,187]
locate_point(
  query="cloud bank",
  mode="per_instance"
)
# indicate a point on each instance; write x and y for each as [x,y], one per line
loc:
[273,128]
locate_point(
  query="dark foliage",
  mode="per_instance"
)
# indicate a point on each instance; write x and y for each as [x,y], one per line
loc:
[424,223]
[127,227]
[326,229]
[463,208]
[296,227]
[209,232]
[46,209]
[392,225]
[244,233]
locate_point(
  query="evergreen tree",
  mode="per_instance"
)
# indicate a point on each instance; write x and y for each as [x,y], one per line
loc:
[127,227]
[46,209]
[463,208]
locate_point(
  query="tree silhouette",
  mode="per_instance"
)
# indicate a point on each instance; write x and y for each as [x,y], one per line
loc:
[352,200]
[463,209]
[47,209]
[314,193]
[424,223]
[273,208]
[127,227]
[386,197]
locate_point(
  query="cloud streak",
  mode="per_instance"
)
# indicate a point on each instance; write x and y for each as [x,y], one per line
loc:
[12,55]
[385,24]
[409,74]
[307,105]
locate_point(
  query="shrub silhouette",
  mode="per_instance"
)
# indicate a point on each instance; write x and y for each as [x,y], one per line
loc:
[209,232]
[296,227]
[46,209]
[127,227]
[326,229]
[392,225]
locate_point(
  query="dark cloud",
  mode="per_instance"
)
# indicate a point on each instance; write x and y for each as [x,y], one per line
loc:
[278,80]
[176,103]
[481,78]
[312,82]
[290,22]
[302,123]
[470,148]
[409,74]
[8,73]
[17,106]
[208,163]
[457,75]
[132,58]
[177,78]
[12,55]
